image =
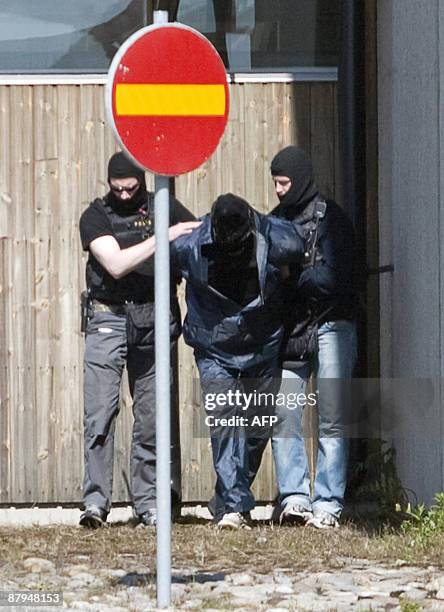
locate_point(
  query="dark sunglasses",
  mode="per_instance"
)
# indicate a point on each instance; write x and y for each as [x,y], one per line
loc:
[129,190]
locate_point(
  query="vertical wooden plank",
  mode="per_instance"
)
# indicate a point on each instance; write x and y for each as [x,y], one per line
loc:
[72,168]
[45,121]
[254,144]
[47,406]
[110,147]
[89,135]
[300,113]
[70,279]
[45,239]
[232,155]
[322,136]
[197,465]
[5,289]
[20,270]
[5,204]
[203,193]
[276,136]
[5,166]
[102,141]
[5,404]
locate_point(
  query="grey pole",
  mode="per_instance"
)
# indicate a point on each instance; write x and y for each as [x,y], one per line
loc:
[162,355]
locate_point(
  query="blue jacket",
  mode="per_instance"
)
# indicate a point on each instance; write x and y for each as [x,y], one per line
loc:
[219,328]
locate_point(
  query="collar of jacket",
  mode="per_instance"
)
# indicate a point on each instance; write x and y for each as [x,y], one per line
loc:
[301,213]
[261,256]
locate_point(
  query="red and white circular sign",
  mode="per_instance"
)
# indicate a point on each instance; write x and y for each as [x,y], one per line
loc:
[167,98]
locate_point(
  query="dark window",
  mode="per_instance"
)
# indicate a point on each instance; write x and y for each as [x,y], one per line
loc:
[268,35]
[64,36]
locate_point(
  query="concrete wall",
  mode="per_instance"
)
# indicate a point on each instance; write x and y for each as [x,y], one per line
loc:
[411,166]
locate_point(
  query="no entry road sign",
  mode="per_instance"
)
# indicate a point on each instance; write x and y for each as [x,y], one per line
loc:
[167,98]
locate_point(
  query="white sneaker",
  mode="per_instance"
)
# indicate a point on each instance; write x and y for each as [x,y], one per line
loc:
[233,520]
[295,514]
[323,520]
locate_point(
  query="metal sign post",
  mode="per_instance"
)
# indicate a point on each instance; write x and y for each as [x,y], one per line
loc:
[162,356]
[163,421]
[167,101]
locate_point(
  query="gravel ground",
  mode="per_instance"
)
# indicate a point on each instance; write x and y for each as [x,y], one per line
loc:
[356,567]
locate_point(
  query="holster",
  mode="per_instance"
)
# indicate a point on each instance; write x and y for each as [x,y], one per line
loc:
[86,310]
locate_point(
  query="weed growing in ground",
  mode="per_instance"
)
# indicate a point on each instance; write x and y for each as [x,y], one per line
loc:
[406,605]
[422,524]
[376,479]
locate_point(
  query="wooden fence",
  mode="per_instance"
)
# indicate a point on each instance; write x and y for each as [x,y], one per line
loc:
[54,150]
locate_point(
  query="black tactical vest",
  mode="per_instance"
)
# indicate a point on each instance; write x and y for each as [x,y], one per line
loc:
[137,286]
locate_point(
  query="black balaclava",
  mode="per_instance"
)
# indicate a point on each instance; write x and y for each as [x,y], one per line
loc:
[294,163]
[119,167]
[232,266]
[232,224]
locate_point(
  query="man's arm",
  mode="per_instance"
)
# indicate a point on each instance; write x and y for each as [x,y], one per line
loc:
[333,276]
[286,241]
[119,262]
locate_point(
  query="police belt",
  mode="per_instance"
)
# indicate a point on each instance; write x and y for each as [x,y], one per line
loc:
[117,309]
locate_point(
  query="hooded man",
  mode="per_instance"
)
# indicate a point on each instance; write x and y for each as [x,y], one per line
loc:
[117,231]
[320,339]
[233,267]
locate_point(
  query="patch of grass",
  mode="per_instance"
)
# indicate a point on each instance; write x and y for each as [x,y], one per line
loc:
[202,548]
[423,525]
[406,605]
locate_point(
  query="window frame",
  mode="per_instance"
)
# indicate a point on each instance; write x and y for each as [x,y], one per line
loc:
[312,74]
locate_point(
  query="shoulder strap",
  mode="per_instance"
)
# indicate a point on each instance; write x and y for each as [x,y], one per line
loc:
[102,202]
[319,210]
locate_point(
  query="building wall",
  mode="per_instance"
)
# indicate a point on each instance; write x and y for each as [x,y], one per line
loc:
[411,166]
[54,149]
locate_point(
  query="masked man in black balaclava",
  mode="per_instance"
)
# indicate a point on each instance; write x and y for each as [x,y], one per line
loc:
[232,264]
[117,231]
[320,339]
[232,267]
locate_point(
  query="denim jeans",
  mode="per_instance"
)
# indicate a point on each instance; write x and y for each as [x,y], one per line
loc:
[237,450]
[335,360]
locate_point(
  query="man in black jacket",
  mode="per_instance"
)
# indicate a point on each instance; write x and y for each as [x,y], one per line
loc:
[117,231]
[320,340]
